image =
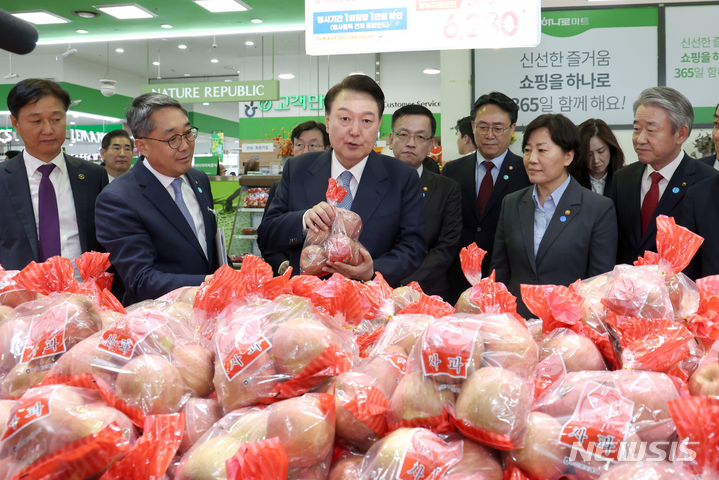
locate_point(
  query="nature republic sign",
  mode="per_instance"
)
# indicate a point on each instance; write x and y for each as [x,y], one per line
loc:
[218,91]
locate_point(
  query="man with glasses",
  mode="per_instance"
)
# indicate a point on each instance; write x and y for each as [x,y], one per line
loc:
[485,177]
[116,153]
[413,128]
[157,221]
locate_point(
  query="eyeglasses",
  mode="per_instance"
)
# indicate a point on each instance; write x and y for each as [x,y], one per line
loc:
[175,141]
[484,129]
[404,137]
[312,147]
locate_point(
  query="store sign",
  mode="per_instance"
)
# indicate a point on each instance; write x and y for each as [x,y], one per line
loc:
[370,26]
[257,147]
[206,164]
[218,91]
[84,136]
[586,66]
[8,135]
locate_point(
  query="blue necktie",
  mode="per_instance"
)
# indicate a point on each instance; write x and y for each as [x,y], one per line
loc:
[346,178]
[177,187]
[48,217]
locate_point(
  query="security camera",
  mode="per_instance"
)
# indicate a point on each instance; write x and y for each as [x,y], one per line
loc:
[107,87]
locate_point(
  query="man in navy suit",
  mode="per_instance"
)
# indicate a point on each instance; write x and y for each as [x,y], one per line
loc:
[657,183]
[413,128]
[47,197]
[157,220]
[494,118]
[382,190]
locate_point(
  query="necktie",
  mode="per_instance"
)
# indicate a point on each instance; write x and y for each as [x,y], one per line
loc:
[177,187]
[346,202]
[48,218]
[651,199]
[485,188]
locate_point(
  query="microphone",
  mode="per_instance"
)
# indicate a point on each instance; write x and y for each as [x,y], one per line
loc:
[18,36]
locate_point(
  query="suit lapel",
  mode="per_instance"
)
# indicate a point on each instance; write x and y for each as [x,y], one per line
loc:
[466,175]
[319,173]
[526,224]
[508,170]
[80,193]
[671,197]
[568,208]
[428,187]
[206,210]
[631,200]
[372,188]
[18,189]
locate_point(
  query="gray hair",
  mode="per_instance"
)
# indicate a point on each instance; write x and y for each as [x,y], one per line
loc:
[139,113]
[678,107]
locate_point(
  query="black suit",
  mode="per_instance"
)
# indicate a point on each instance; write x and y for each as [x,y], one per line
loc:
[709,159]
[274,257]
[625,191]
[700,214]
[19,244]
[580,240]
[443,226]
[475,227]
[431,165]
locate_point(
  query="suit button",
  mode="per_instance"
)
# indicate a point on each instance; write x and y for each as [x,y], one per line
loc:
[479,229]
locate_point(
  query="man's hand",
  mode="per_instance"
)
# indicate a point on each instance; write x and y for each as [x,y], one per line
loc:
[320,217]
[363,271]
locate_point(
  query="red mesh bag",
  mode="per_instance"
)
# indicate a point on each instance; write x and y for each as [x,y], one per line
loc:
[470,258]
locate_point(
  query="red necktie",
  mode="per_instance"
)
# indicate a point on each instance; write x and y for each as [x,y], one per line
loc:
[485,188]
[651,199]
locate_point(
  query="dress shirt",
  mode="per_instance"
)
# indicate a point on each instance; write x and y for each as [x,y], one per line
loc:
[543,213]
[479,169]
[356,172]
[69,233]
[110,178]
[667,172]
[188,195]
[420,169]
[598,184]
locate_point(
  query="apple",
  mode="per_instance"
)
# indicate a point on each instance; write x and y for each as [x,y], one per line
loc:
[152,384]
[200,415]
[339,248]
[348,222]
[541,454]
[465,305]
[6,313]
[418,397]
[23,376]
[347,468]
[206,460]
[5,406]
[577,351]
[650,392]
[403,297]
[386,369]
[85,357]
[705,380]
[508,344]
[349,429]
[298,341]
[313,259]
[256,381]
[248,425]
[194,363]
[316,238]
[477,462]
[385,459]
[649,470]
[452,336]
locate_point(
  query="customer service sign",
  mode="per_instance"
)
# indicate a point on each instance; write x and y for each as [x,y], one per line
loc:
[218,91]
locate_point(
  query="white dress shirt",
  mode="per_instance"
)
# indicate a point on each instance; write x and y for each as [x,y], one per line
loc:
[356,172]
[69,232]
[665,172]
[598,184]
[188,195]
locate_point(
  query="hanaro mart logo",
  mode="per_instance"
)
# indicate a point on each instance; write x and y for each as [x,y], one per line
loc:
[594,457]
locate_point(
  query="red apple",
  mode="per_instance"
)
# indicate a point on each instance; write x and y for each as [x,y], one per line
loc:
[403,297]
[152,384]
[194,363]
[705,380]
[347,468]
[508,344]
[313,259]
[577,351]
[418,397]
[200,415]
[541,454]
[256,381]
[298,341]
[476,462]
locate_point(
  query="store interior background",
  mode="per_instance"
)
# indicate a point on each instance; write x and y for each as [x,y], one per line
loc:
[244,51]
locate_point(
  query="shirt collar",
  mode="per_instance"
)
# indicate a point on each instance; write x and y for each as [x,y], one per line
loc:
[556,195]
[668,171]
[356,171]
[33,163]
[420,169]
[163,179]
[497,161]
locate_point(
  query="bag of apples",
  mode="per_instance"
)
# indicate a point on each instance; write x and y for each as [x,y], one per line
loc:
[304,427]
[43,330]
[339,244]
[11,293]
[268,350]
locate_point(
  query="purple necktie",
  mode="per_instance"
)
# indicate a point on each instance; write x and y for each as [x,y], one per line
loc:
[48,219]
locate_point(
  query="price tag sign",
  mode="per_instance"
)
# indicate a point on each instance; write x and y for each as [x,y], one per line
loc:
[369,26]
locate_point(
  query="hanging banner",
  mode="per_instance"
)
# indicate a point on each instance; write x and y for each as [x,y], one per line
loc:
[590,63]
[218,91]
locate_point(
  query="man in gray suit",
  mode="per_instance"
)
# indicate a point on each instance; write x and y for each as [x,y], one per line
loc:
[47,197]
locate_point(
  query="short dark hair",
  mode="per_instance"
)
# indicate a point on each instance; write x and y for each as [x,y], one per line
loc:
[499,99]
[311,125]
[139,113]
[595,127]
[414,109]
[107,139]
[358,83]
[464,127]
[561,130]
[31,90]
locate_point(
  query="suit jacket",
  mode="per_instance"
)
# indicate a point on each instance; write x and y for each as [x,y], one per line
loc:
[19,244]
[387,199]
[475,227]
[709,159]
[578,244]
[430,165]
[625,189]
[443,226]
[700,214]
[274,257]
[151,244]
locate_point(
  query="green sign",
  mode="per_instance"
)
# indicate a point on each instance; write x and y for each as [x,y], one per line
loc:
[218,91]
[207,164]
[218,145]
[568,23]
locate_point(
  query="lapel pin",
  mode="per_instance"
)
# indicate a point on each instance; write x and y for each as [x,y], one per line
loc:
[199,189]
[506,177]
[511,167]
[562,219]
[675,190]
[684,184]
[424,188]
[567,212]
[81,176]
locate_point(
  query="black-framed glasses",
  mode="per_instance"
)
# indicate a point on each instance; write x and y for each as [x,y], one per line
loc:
[484,129]
[175,141]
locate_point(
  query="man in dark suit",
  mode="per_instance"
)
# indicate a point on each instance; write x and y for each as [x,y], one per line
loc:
[157,220]
[382,190]
[713,159]
[657,183]
[465,136]
[47,197]
[700,214]
[494,120]
[413,128]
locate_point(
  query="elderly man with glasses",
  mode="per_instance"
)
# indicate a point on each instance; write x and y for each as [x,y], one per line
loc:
[157,221]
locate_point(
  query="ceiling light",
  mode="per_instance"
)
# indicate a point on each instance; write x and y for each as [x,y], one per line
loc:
[80,30]
[285,76]
[73,123]
[93,116]
[86,14]
[249,43]
[166,25]
[256,20]
[431,71]
[205,103]
[357,73]
[187,74]
[182,46]
[217,6]
[125,11]
[214,60]
[120,50]
[40,17]
[156,63]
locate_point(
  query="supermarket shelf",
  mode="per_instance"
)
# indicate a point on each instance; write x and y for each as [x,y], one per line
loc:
[252,210]
[246,237]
